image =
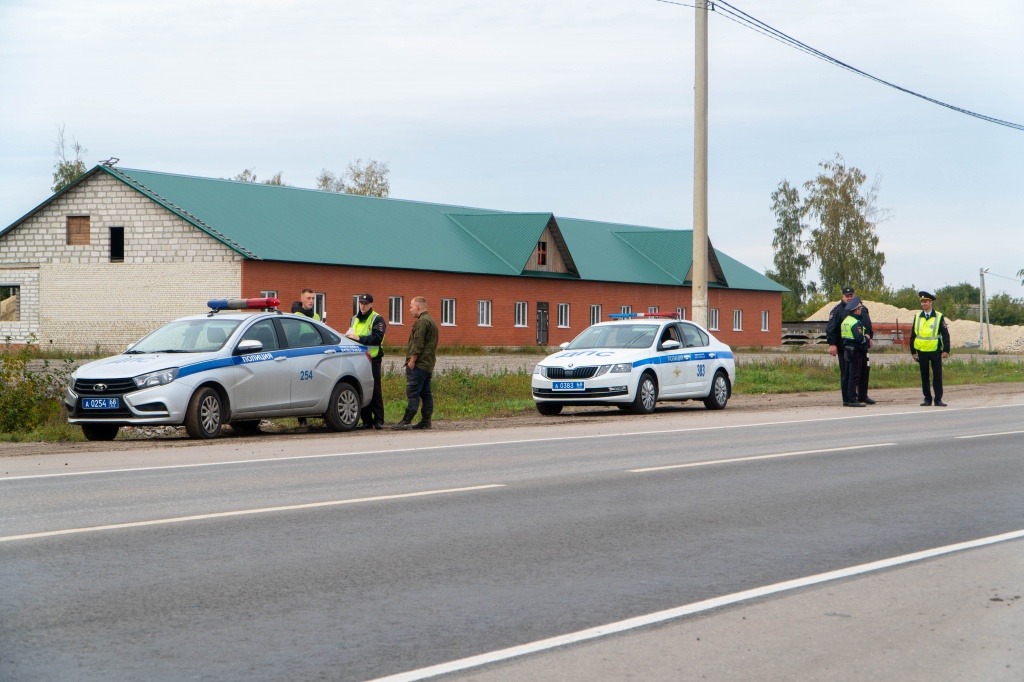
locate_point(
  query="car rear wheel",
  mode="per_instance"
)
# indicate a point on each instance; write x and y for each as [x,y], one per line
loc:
[719,394]
[205,414]
[249,427]
[646,395]
[549,409]
[343,411]
[100,431]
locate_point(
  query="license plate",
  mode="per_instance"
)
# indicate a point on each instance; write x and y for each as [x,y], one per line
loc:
[101,403]
[567,386]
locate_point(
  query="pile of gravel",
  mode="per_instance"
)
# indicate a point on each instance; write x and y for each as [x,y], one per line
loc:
[961,332]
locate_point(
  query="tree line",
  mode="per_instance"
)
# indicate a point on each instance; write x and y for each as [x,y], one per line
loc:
[833,226]
[370,178]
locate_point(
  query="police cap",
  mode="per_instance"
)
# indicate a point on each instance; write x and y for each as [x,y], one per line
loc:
[847,291]
[925,295]
[853,304]
[366,298]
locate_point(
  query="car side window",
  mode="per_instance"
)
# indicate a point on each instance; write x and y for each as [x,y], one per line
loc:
[670,334]
[692,336]
[301,334]
[263,331]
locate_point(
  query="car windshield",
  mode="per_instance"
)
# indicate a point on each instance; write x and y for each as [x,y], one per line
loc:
[616,336]
[188,336]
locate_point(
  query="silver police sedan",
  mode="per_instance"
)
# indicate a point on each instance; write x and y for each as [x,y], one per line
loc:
[237,368]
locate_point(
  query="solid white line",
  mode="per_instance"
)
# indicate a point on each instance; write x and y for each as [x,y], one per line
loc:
[241,512]
[689,609]
[629,434]
[753,457]
[986,435]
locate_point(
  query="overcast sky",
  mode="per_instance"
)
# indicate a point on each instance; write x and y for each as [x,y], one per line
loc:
[579,107]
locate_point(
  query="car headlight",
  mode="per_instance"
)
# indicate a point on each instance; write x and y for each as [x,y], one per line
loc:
[164,376]
[537,370]
[622,367]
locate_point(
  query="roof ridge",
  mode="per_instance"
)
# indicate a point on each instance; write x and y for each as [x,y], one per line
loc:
[618,234]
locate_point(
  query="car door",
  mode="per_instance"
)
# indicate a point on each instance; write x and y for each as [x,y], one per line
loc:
[672,370]
[313,363]
[695,349]
[261,378]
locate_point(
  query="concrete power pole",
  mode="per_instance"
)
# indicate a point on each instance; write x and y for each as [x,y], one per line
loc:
[699,277]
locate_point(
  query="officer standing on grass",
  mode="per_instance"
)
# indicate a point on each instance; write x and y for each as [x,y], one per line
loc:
[833,335]
[929,346]
[368,328]
[855,347]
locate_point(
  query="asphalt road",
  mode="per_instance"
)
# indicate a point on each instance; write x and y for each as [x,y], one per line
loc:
[340,560]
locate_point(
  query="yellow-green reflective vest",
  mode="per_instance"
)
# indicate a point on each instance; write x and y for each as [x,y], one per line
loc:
[316,316]
[365,328]
[926,332]
[847,327]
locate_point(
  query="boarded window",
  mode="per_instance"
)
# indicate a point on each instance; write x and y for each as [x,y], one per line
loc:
[78,230]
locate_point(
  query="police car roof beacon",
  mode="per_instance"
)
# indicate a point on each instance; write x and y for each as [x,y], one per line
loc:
[264,304]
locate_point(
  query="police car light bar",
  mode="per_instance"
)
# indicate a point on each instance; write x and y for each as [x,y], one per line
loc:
[243,303]
[630,316]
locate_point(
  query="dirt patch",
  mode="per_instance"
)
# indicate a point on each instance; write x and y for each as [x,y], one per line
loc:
[172,437]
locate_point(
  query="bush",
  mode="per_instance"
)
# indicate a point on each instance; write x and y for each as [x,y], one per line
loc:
[30,398]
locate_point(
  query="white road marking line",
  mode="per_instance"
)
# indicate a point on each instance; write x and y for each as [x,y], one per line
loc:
[687,610]
[753,457]
[986,435]
[243,512]
[627,434]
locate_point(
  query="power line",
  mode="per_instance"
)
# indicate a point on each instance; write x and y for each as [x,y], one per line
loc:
[736,15]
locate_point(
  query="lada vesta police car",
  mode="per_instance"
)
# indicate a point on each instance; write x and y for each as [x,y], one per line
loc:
[221,368]
[633,363]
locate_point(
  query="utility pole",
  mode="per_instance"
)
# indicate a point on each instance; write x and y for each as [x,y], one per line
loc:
[699,276]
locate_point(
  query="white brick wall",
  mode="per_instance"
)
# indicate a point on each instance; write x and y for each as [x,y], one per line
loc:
[74,298]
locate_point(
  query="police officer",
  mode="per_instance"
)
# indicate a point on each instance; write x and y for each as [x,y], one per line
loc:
[855,346]
[929,345]
[835,347]
[368,328]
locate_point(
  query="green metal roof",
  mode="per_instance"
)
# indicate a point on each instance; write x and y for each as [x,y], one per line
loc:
[291,224]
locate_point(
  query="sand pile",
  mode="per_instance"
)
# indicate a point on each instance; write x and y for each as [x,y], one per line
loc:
[961,332]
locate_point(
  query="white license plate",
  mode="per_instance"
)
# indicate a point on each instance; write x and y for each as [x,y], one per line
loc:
[567,385]
[101,403]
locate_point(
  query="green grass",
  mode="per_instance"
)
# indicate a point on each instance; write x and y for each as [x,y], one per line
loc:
[463,395]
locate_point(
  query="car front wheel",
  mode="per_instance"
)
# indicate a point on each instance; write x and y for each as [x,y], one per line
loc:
[719,394]
[100,431]
[646,395]
[205,414]
[549,409]
[343,411]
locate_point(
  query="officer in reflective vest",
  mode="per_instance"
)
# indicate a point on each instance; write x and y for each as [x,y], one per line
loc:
[929,345]
[368,328]
[855,346]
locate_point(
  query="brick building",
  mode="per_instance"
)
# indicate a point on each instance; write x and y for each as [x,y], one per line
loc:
[121,251]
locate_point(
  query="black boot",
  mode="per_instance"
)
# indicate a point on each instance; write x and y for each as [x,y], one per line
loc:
[406,422]
[424,422]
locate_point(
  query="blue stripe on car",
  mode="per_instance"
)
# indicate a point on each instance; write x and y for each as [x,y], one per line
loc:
[684,357]
[265,356]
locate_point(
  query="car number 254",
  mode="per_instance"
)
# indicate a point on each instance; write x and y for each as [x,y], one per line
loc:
[305,374]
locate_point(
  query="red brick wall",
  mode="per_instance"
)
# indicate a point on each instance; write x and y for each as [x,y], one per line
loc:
[341,283]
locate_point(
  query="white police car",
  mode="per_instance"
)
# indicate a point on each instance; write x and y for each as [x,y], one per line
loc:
[633,363]
[207,370]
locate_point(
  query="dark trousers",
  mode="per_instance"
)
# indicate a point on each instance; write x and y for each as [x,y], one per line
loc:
[855,361]
[932,359]
[417,386]
[374,412]
[862,385]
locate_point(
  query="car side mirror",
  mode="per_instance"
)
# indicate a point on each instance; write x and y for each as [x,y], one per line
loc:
[671,344]
[248,346]
[563,346]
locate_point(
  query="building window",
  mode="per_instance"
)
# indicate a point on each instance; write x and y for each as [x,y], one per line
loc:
[320,306]
[595,313]
[737,320]
[713,319]
[117,245]
[542,253]
[268,293]
[522,311]
[78,230]
[652,309]
[764,320]
[448,312]
[626,309]
[483,313]
[681,313]
[10,310]
[355,304]
[563,315]
[395,310]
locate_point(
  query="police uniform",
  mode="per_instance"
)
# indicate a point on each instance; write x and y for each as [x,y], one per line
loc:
[370,328]
[929,341]
[855,345]
[834,338]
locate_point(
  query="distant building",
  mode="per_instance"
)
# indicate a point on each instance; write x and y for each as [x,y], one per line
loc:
[121,251]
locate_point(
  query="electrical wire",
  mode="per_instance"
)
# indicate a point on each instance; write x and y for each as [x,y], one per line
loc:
[738,16]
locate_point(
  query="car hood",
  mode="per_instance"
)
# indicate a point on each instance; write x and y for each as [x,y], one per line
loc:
[594,356]
[127,366]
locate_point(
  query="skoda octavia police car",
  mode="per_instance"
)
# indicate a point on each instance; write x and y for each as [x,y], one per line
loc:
[633,363]
[207,370]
